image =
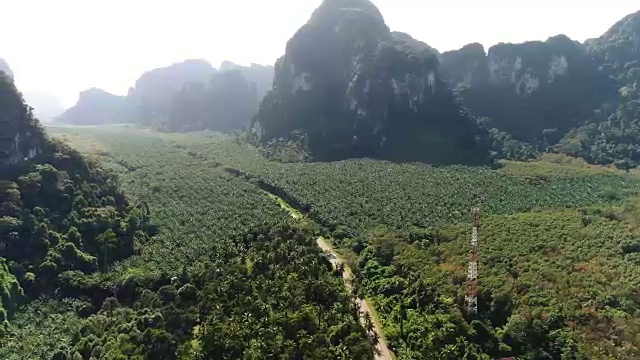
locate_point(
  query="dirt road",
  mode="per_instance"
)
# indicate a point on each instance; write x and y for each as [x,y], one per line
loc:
[382,349]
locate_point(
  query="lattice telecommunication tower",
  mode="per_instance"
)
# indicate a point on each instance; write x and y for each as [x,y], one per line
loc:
[472,276]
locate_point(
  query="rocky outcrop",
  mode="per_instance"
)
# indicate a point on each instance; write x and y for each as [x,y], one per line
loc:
[21,137]
[536,91]
[95,107]
[611,136]
[150,100]
[352,89]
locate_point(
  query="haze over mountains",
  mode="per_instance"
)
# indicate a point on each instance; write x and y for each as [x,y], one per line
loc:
[224,99]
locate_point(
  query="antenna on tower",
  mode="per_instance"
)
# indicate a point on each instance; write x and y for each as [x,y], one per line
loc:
[472,276]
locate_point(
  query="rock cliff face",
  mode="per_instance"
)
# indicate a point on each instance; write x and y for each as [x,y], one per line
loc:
[536,91]
[351,89]
[21,137]
[94,107]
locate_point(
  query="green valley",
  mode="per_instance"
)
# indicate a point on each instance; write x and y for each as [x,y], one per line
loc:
[555,233]
[365,196]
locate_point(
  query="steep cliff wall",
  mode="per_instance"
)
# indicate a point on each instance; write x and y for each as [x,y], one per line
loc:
[21,137]
[536,91]
[350,88]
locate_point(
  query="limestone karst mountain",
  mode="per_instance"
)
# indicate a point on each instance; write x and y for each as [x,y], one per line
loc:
[536,91]
[347,87]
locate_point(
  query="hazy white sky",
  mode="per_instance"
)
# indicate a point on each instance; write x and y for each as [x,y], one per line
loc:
[66,46]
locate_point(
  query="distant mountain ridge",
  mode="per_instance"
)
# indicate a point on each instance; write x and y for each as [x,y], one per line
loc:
[187,96]
[94,107]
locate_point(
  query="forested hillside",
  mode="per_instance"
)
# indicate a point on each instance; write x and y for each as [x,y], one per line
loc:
[21,137]
[60,216]
[612,135]
[558,95]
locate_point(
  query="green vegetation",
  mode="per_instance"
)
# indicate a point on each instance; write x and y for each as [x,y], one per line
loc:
[11,294]
[558,241]
[554,284]
[212,253]
[362,194]
[270,293]
[221,279]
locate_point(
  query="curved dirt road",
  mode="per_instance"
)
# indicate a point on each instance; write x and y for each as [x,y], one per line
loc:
[382,349]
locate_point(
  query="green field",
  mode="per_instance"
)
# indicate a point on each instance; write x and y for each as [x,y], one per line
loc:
[559,237]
